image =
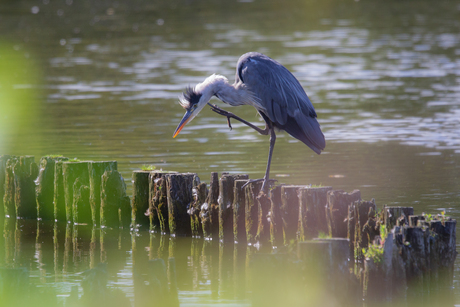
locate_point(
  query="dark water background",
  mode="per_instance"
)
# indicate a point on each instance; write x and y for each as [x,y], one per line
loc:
[99,80]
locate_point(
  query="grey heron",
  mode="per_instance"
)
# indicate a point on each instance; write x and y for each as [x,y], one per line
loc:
[269,87]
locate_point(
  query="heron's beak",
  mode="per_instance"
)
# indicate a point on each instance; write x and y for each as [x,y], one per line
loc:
[188,116]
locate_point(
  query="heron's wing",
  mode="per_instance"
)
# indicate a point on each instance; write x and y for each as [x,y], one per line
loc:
[285,101]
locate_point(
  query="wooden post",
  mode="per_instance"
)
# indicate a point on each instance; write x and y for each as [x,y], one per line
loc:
[113,198]
[179,192]
[59,192]
[276,222]
[209,213]
[3,161]
[391,215]
[96,170]
[45,187]
[25,173]
[81,209]
[263,224]
[290,211]
[358,217]
[239,206]
[225,200]
[8,198]
[199,193]
[252,210]
[312,213]
[71,171]
[140,202]
[337,211]
[158,203]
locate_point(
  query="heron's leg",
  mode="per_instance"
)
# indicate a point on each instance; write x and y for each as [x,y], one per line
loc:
[270,153]
[229,115]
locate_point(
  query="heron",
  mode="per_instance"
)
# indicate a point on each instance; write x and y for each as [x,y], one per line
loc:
[272,90]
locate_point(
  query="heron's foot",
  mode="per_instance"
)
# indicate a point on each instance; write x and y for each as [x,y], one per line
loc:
[267,183]
[223,113]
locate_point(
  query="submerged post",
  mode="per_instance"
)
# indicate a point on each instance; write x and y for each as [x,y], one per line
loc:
[312,213]
[239,205]
[96,170]
[252,210]
[290,211]
[71,171]
[140,201]
[25,173]
[59,192]
[276,222]
[115,209]
[209,212]
[337,211]
[199,193]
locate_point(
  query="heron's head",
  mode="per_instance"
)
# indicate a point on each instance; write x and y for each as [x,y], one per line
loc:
[193,102]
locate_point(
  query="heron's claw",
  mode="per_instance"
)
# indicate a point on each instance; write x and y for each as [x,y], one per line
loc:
[229,124]
[265,181]
[223,113]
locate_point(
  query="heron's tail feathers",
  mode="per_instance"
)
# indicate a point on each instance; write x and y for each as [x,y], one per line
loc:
[307,130]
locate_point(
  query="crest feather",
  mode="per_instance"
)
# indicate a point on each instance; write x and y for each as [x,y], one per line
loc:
[189,98]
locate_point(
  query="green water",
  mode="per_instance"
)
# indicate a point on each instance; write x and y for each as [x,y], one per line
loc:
[100,80]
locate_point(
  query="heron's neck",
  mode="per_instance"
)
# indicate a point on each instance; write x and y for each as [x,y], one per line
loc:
[233,94]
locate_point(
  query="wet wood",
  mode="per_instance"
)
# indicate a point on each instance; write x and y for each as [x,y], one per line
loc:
[59,192]
[276,222]
[199,192]
[158,203]
[140,200]
[225,200]
[312,213]
[252,210]
[96,170]
[359,234]
[71,171]
[239,206]
[392,214]
[45,187]
[115,209]
[179,192]
[9,190]
[3,161]
[337,211]
[290,211]
[81,209]
[263,223]
[209,212]
[25,173]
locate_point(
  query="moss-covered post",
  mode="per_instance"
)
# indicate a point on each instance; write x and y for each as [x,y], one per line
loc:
[25,173]
[81,209]
[199,193]
[179,193]
[252,210]
[3,160]
[337,211]
[239,207]
[158,203]
[59,192]
[276,222]
[45,187]
[113,198]
[290,211]
[360,226]
[263,224]
[140,200]
[71,171]
[312,213]
[209,213]
[96,170]
[9,198]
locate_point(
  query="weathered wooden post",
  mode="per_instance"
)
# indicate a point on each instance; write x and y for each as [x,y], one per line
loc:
[9,198]
[209,213]
[199,193]
[140,200]
[96,170]
[252,210]
[158,203]
[225,200]
[59,191]
[81,209]
[25,173]
[290,211]
[263,224]
[179,192]
[312,213]
[239,206]
[276,222]
[71,171]
[392,214]
[45,187]
[3,161]
[337,211]
[358,217]
[114,201]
